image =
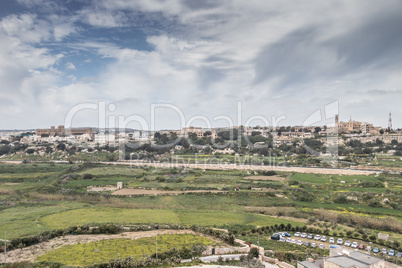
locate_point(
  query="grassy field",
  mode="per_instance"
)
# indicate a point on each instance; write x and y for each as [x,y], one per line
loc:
[333,179]
[149,216]
[108,215]
[38,197]
[24,221]
[104,250]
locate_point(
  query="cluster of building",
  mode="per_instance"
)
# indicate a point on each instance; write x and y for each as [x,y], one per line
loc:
[341,258]
[364,131]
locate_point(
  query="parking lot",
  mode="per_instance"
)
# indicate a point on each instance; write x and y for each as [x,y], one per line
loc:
[327,244]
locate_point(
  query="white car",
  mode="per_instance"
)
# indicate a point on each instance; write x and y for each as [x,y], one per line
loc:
[299,243]
[314,245]
[331,240]
[339,241]
[348,243]
[282,239]
[317,237]
[303,235]
[293,241]
[321,246]
[355,245]
[288,240]
[323,239]
[298,234]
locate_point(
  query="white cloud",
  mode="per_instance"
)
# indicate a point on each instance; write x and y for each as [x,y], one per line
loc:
[70,66]
[274,56]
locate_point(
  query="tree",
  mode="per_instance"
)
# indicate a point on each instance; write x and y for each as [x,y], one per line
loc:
[61,146]
[30,151]
[381,131]
[207,133]
[317,130]
[253,253]
[157,136]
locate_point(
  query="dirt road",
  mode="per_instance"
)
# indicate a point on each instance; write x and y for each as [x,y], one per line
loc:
[128,191]
[330,171]
[222,166]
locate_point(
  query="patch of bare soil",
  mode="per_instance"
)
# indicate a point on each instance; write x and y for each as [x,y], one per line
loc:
[32,252]
[249,167]
[265,178]
[159,192]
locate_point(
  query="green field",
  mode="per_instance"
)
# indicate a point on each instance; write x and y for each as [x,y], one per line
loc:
[42,197]
[25,221]
[104,250]
[149,216]
[108,215]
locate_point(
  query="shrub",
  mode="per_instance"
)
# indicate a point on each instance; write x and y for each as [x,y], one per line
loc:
[87,176]
[254,253]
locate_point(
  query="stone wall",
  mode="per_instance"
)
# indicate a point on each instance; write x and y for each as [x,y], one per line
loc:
[223,251]
[277,262]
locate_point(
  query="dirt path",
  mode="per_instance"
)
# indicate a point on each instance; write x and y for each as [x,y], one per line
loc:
[128,191]
[32,252]
[330,171]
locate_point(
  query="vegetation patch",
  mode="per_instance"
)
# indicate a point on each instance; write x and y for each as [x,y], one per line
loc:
[105,250]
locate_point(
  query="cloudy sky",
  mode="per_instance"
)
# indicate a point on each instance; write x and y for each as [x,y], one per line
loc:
[275,59]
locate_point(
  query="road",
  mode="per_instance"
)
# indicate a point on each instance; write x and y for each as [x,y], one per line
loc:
[223,166]
[331,171]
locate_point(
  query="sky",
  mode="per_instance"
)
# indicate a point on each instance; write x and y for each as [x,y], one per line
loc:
[160,64]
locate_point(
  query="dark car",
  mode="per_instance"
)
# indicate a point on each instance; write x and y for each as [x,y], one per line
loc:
[276,237]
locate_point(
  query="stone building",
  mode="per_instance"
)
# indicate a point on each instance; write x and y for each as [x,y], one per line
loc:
[61,131]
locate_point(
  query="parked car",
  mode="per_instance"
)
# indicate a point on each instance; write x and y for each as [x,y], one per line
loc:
[391,252]
[285,234]
[384,251]
[368,248]
[303,235]
[276,237]
[288,240]
[333,246]
[355,245]
[310,236]
[348,243]
[376,250]
[331,240]
[317,237]
[299,242]
[307,244]
[399,254]
[293,241]
[361,246]
[339,241]
[282,239]
[323,238]
[321,246]
[314,245]
[298,234]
